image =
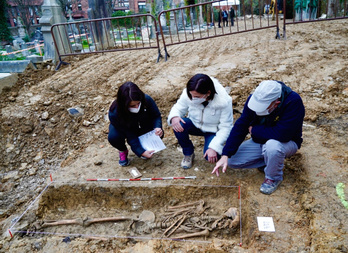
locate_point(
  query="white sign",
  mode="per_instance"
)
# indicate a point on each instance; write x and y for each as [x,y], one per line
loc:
[265,224]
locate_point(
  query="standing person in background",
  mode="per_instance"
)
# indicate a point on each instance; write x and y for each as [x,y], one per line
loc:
[273,116]
[232,15]
[132,114]
[209,114]
[225,18]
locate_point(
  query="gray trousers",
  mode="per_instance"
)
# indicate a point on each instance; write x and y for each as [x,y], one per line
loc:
[271,154]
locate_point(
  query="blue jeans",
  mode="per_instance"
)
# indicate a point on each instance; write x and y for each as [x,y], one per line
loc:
[271,154]
[184,137]
[117,139]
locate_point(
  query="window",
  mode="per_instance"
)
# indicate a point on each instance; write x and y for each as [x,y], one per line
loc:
[142,7]
[79,6]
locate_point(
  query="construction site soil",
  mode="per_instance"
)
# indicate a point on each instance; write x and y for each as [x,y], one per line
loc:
[40,141]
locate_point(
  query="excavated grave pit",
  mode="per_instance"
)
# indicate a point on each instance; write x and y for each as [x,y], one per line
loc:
[85,202]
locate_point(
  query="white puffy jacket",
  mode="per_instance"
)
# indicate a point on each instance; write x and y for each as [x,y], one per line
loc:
[216,117]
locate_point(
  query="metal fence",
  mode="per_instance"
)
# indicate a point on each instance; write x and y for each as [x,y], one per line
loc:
[206,20]
[105,35]
[188,24]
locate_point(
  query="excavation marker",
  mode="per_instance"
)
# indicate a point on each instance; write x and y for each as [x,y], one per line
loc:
[51,177]
[141,179]
[9,231]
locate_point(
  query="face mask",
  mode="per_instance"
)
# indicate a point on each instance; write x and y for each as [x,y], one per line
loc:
[134,110]
[264,113]
[198,101]
[267,111]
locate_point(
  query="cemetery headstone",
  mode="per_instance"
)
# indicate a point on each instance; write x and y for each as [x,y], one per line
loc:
[9,50]
[24,47]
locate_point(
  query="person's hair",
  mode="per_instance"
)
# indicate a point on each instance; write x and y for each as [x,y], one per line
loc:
[127,93]
[201,83]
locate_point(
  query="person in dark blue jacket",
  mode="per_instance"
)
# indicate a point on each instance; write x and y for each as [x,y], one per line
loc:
[132,114]
[273,116]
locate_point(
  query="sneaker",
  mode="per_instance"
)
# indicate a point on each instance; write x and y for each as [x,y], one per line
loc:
[269,186]
[123,158]
[186,163]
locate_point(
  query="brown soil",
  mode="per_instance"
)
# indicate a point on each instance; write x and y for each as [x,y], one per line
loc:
[39,138]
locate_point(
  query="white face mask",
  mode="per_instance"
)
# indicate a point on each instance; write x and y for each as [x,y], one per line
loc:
[264,113]
[198,101]
[267,111]
[134,110]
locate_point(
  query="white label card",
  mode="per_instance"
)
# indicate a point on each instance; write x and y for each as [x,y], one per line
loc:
[265,224]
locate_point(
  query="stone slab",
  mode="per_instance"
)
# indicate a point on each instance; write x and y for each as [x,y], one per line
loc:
[15,66]
[7,80]
[35,58]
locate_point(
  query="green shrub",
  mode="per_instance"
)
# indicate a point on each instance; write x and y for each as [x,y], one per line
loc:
[122,22]
[26,38]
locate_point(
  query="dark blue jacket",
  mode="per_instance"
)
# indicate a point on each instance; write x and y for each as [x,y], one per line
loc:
[148,118]
[283,124]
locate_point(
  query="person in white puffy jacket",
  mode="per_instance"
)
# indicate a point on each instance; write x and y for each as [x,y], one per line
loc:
[203,109]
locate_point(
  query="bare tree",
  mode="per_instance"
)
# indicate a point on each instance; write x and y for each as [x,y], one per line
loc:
[27,11]
[67,5]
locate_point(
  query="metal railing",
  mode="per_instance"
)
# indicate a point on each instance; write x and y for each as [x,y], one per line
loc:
[105,35]
[205,20]
[187,24]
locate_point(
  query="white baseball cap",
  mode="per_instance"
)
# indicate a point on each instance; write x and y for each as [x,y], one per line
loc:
[264,94]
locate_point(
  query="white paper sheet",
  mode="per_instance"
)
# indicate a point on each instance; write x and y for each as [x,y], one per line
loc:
[265,224]
[151,141]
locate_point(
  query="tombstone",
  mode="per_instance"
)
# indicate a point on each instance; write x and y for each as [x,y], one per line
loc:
[183,16]
[76,47]
[163,21]
[72,26]
[92,48]
[25,51]
[9,50]
[38,34]
[118,34]
[21,31]
[52,14]
[17,43]
[35,58]
[172,21]
[145,33]
[125,33]
[200,18]
[180,20]
[78,39]
[82,29]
